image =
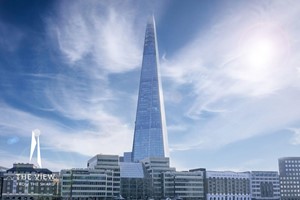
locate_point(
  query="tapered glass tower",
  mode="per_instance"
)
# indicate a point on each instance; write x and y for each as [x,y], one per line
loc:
[150,135]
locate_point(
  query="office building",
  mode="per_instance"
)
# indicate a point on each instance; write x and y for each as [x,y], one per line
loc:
[183,185]
[155,167]
[265,185]
[110,164]
[85,183]
[101,179]
[226,185]
[135,181]
[150,134]
[289,175]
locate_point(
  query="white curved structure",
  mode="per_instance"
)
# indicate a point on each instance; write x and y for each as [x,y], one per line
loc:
[35,141]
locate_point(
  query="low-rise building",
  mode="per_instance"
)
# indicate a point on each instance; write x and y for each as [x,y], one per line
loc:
[226,185]
[135,181]
[25,181]
[100,180]
[265,185]
[184,185]
[156,166]
[85,183]
[110,164]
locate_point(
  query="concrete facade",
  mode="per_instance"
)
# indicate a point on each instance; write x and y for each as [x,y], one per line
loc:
[185,185]
[86,183]
[265,185]
[289,174]
[226,185]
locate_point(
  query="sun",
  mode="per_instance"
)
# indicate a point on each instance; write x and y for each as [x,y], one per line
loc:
[259,47]
[260,52]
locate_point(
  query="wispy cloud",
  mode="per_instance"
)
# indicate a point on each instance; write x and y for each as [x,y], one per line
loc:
[109,35]
[96,40]
[58,137]
[244,97]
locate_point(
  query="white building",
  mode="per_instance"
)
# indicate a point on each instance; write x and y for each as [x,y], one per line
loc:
[185,185]
[156,166]
[227,185]
[84,183]
[100,180]
[265,185]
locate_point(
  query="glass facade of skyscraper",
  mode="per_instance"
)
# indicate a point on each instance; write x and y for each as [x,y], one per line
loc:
[150,131]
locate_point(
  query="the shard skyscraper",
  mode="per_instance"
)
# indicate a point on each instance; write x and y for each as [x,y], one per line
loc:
[150,133]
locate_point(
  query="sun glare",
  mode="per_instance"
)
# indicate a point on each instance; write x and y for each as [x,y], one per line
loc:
[263,48]
[260,52]
[258,55]
[261,45]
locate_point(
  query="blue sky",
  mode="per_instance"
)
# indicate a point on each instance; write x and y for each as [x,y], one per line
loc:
[230,75]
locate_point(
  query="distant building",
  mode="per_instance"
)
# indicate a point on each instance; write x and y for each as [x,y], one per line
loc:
[85,183]
[152,178]
[127,157]
[225,185]
[155,168]
[25,181]
[100,180]
[2,171]
[289,174]
[110,164]
[265,185]
[184,185]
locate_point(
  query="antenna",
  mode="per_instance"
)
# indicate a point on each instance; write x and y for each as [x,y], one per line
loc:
[35,140]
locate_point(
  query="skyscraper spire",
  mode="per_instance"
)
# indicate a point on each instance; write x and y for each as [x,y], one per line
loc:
[150,134]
